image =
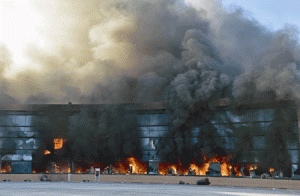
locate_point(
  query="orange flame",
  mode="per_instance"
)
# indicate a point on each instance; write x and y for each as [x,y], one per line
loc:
[6,169]
[201,169]
[58,143]
[271,170]
[121,167]
[225,165]
[251,167]
[225,169]
[47,152]
[77,170]
[237,171]
[137,166]
[174,168]
[56,168]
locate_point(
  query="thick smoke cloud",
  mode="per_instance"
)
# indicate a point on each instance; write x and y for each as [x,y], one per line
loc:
[93,44]
[201,85]
[277,70]
[203,78]
[93,49]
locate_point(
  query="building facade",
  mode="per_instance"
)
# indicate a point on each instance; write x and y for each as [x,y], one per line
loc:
[19,139]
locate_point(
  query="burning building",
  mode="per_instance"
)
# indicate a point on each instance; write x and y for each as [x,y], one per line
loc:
[32,140]
[111,62]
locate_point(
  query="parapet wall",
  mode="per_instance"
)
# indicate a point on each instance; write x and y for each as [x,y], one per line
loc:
[215,181]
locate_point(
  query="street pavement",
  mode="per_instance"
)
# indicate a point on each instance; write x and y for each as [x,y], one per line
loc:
[112,189]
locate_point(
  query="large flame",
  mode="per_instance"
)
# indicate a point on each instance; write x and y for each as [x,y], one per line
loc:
[201,169]
[225,165]
[137,166]
[174,168]
[123,166]
[163,168]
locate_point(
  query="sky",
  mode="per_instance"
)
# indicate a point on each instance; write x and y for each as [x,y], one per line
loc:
[273,14]
[20,25]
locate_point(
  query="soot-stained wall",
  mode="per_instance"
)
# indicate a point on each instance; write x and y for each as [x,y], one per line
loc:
[155,125]
[18,139]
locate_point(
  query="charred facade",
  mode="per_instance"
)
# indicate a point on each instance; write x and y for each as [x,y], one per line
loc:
[76,138]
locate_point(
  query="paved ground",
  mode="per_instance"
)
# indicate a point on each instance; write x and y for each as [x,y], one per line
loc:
[97,188]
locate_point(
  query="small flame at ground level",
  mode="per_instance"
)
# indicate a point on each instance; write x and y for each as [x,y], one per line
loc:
[197,169]
[77,170]
[133,166]
[250,167]
[6,169]
[173,167]
[201,169]
[237,170]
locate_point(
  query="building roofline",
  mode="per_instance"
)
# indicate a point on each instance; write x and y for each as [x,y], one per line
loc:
[223,102]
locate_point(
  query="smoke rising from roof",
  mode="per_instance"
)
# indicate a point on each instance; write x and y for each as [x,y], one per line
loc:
[130,51]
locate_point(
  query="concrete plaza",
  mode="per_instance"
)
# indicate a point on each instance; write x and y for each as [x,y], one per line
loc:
[110,189]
